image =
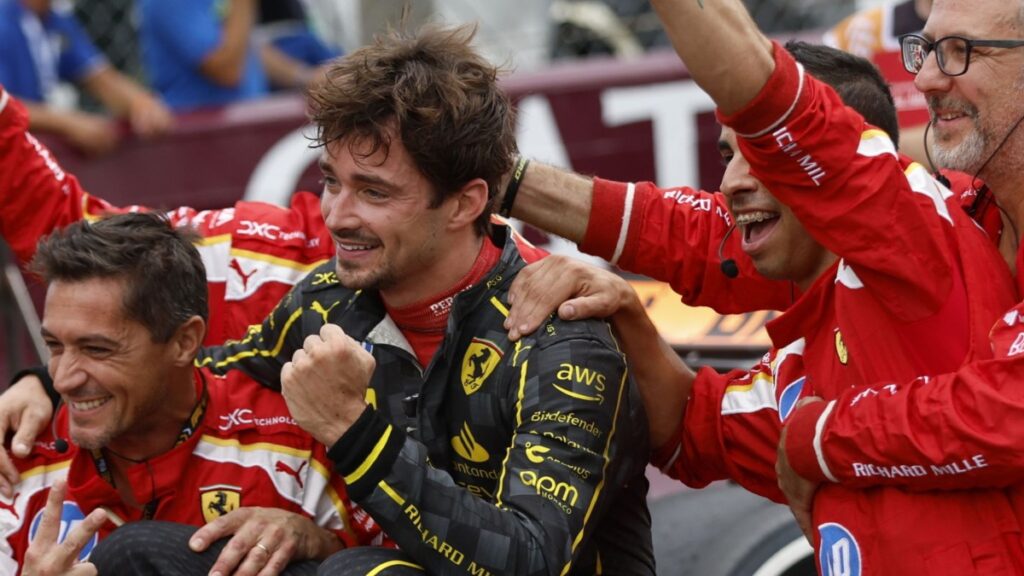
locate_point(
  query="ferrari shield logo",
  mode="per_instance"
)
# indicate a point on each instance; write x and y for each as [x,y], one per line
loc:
[217,501]
[841,351]
[479,361]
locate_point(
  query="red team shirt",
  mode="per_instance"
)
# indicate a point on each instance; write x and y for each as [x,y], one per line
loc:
[904,300]
[245,451]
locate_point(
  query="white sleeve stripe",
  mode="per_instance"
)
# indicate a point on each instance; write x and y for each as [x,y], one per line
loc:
[4,97]
[923,183]
[787,113]
[627,213]
[873,145]
[818,428]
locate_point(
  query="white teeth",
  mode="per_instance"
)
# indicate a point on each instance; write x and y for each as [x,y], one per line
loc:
[354,248]
[752,217]
[89,405]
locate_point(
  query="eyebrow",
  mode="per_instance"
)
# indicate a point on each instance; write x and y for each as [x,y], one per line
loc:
[363,177]
[324,165]
[87,339]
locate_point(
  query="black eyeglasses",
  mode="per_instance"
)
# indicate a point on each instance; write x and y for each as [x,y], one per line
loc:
[952,52]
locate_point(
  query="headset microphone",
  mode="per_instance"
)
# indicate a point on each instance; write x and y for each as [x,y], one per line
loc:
[59,444]
[728,266]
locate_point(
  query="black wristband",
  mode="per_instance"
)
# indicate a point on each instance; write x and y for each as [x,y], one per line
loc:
[513,186]
[44,376]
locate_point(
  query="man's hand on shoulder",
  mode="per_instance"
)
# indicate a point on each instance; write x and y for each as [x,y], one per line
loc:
[25,411]
[572,288]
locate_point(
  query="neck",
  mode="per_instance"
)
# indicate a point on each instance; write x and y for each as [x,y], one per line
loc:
[451,266]
[1007,188]
[159,433]
[805,282]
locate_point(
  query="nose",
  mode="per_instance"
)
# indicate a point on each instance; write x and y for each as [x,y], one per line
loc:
[737,180]
[67,372]
[339,210]
[930,79]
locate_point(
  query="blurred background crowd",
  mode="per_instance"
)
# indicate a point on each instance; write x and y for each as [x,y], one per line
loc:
[83,61]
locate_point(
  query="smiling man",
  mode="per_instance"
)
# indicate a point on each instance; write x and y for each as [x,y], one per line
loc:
[144,435]
[475,454]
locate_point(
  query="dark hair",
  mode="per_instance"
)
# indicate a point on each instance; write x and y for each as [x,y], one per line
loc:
[165,282]
[855,79]
[440,96]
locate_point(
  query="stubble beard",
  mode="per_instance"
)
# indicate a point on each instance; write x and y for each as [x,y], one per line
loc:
[351,277]
[92,441]
[965,156]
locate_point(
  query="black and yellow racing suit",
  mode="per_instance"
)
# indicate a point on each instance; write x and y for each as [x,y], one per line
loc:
[498,458]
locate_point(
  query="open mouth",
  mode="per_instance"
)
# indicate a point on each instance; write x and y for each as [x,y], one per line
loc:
[347,249]
[355,247]
[756,227]
[87,405]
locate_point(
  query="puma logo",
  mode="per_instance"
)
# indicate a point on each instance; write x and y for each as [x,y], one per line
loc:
[6,506]
[282,467]
[234,265]
[319,309]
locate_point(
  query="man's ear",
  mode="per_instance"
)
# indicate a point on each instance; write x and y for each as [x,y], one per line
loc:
[187,340]
[467,204]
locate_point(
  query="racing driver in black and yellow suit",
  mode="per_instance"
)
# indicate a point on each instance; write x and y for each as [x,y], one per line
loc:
[497,452]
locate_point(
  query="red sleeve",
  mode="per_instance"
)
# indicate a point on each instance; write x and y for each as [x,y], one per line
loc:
[253,252]
[845,182]
[673,235]
[732,425]
[953,431]
[36,194]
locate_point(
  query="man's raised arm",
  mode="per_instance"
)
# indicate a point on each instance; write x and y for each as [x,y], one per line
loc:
[721,46]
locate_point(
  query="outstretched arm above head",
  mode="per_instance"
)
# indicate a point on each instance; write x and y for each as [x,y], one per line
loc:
[723,49]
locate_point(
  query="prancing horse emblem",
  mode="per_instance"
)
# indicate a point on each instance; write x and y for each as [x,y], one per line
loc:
[480,359]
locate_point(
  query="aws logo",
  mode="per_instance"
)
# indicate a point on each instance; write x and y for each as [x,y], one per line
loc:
[70,517]
[592,379]
[467,448]
[217,501]
[839,554]
[841,351]
[479,361]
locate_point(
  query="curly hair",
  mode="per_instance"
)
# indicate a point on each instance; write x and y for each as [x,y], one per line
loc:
[436,93]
